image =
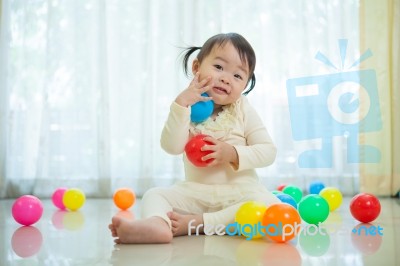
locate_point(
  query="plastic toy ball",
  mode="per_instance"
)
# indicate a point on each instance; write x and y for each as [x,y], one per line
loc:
[281,187]
[332,196]
[73,199]
[250,214]
[365,207]
[285,198]
[27,210]
[313,209]
[316,187]
[200,111]
[194,152]
[282,222]
[293,191]
[57,198]
[124,198]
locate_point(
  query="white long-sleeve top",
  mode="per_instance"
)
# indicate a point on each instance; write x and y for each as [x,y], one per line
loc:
[237,124]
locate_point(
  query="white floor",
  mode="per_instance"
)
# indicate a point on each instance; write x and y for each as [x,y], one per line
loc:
[82,238]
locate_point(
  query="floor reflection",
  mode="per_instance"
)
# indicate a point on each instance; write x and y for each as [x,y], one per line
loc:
[57,219]
[209,250]
[26,241]
[366,239]
[281,254]
[69,220]
[126,214]
[316,243]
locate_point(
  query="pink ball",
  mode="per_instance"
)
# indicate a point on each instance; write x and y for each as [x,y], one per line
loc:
[27,210]
[57,197]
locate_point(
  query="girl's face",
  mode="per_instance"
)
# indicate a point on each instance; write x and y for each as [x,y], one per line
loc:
[229,75]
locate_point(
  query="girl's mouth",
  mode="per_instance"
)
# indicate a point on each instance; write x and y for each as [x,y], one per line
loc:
[220,90]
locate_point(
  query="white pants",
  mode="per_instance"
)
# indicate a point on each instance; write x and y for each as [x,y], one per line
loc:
[217,203]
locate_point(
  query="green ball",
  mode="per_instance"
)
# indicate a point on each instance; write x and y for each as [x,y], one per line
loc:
[293,191]
[313,209]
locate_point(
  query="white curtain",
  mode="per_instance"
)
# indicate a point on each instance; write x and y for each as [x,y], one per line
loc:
[85,86]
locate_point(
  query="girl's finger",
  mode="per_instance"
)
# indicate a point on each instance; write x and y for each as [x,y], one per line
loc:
[207,88]
[205,99]
[203,83]
[212,163]
[208,157]
[210,139]
[208,148]
[195,79]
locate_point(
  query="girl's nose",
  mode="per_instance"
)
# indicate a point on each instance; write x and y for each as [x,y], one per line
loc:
[224,79]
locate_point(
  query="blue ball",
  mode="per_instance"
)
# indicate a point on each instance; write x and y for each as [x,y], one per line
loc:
[200,111]
[316,187]
[285,198]
[276,192]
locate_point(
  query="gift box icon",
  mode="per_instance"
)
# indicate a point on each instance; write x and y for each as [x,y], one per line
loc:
[339,104]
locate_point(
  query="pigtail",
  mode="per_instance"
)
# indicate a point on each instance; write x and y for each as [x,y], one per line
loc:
[188,52]
[252,82]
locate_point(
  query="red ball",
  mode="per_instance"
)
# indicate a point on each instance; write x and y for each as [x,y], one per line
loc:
[365,207]
[281,187]
[194,152]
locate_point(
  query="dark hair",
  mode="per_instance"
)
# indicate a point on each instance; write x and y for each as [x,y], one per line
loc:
[243,47]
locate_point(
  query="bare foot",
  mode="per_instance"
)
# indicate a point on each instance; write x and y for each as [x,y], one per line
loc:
[151,230]
[180,223]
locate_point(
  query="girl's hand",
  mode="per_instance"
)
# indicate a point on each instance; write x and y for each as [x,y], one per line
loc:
[222,152]
[192,94]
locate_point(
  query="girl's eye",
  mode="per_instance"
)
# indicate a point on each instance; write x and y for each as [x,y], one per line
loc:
[238,76]
[218,67]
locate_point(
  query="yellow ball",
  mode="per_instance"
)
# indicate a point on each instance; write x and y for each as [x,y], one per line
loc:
[249,216]
[333,196]
[73,199]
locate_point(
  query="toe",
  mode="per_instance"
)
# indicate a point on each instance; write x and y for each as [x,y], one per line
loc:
[116,221]
[174,230]
[174,224]
[174,216]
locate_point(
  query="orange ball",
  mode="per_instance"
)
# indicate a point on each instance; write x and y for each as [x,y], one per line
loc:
[282,222]
[124,198]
